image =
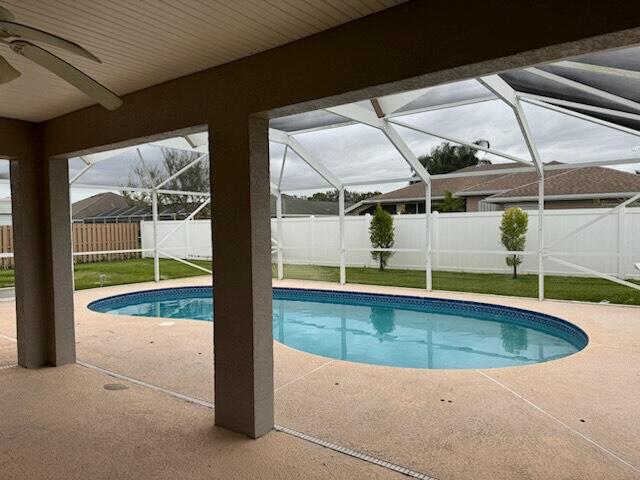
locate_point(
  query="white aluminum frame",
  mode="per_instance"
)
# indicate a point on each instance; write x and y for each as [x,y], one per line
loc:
[155,192]
[385,117]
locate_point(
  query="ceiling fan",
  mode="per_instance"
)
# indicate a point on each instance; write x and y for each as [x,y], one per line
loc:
[20,37]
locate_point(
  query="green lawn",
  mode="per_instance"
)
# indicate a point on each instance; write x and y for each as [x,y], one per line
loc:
[564,288]
[87,275]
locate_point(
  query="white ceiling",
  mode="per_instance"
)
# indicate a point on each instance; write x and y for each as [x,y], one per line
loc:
[147,42]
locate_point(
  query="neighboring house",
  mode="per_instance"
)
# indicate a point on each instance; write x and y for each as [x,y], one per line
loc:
[5,211]
[588,187]
[110,207]
[299,207]
[96,205]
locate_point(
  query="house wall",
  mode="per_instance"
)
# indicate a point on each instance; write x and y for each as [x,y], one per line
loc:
[473,203]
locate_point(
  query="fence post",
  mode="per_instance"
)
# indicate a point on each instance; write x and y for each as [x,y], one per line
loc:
[434,248]
[367,223]
[621,214]
[427,216]
[311,239]
[279,224]
[187,239]
[343,270]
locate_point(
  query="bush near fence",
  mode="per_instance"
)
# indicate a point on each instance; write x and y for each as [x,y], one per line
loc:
[87,238]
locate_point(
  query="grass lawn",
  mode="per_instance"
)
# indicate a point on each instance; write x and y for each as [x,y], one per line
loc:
[564,288]
[87,275]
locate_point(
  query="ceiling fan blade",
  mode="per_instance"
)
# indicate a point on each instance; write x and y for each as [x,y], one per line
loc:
[69,73]
[6,15]
[7,72]
[18,30]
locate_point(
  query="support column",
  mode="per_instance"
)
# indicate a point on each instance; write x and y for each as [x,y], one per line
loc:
[343,269]
[43,261]
[243,337]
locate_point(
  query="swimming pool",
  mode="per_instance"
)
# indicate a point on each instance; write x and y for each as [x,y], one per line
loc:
[379,329]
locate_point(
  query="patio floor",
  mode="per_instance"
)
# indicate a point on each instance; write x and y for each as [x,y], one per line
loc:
[577,417]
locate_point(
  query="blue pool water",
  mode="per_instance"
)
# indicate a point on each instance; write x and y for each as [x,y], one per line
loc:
[383,329]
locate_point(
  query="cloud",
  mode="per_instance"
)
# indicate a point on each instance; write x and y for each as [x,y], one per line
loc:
[359,152]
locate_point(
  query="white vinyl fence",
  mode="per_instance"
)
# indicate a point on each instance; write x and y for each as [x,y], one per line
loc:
[461,241]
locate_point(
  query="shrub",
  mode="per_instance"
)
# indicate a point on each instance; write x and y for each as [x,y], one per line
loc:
[381,235]
[513,232]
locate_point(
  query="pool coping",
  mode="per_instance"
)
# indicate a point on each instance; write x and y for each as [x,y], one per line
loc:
[546,323]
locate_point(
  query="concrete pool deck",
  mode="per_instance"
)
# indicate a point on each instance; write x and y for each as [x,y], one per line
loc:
[577,417]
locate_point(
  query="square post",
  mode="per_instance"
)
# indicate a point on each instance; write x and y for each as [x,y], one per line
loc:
[43,261]
[243,331]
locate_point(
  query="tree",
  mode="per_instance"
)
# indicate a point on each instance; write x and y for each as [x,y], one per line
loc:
[446,158]
[194,179]
[383,320]
[381,234]
[513,233]
[514,338]
[450,204]
[349,197]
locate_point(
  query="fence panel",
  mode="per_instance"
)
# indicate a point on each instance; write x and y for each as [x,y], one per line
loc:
[191,241]
[6,246]
[461,241]
[99,237]
[87,238]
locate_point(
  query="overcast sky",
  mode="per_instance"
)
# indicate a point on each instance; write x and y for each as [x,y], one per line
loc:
[359,152]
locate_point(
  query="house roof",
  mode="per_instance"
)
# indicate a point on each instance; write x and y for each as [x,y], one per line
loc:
[587,181]
[439,187]
[110,206]
[96,204]
[298,206]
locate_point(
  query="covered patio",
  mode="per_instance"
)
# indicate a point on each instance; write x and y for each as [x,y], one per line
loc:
[565,417]
[85,397]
